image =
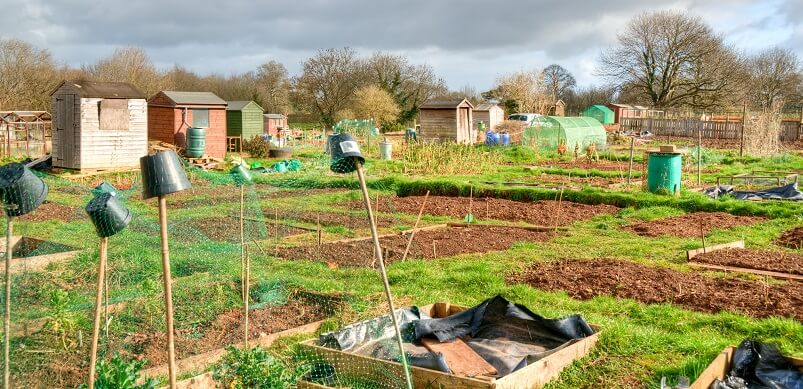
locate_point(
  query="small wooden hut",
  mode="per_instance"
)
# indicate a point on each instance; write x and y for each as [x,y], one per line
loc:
[98,125]
[170,113]
[447,121]
[244,119]
[275,122]
[488,113]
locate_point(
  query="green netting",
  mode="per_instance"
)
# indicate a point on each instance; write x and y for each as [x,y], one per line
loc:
[551,131]
[602,113]
[356,127]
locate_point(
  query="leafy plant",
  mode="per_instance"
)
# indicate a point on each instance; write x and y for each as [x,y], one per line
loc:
[120,374]
[60,321]
[257,146]
[255,368]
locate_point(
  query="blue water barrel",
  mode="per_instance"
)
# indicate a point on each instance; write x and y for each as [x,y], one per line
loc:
[196,142]
[505,139]
[491,138]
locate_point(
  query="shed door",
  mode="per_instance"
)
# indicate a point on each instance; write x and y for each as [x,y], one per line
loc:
[65,130]
[463,126]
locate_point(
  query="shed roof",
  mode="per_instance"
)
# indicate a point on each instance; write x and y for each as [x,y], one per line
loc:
[103,90]
[274,116]
[238,105]
[442,104]
[194,98]
[600,107]
[486,107]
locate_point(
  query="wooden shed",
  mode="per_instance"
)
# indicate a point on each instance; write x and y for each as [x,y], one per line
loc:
[275,122]
[98,125]
[488,113]
[447,121]
[244,119]
[170,113]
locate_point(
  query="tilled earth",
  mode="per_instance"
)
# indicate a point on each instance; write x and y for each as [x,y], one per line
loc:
[584,279]
[755,259]
[689,225]
[53,211]
[427,244]
[223,229]
[792,239]
[543,212]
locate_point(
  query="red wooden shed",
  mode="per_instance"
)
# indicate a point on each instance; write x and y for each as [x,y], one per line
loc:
[170,113]
[274,122]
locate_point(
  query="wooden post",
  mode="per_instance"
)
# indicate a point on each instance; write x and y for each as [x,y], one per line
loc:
[557,214]
[470,200]
[320,235]
[630,166]
[699,157]
[702,235]
[383,273]
[242,237]
[168,292]
[412,233]
[247,293]
[104,242]
[7,315]
[744,124]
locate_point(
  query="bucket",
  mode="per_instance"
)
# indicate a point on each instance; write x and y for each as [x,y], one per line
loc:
[344,150]
[663,172]
[504,139]
[196,142]
[21,190]
[386,150]
[107,214]
[162,174]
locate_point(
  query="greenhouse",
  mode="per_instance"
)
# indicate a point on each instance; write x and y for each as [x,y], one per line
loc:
[551,131]
[602,113]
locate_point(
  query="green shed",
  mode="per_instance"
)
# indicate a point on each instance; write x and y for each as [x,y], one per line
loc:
[244,118]
[550,131]
[602,113]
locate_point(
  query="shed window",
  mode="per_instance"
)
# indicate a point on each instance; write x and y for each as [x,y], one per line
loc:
[200,117]
[113,114]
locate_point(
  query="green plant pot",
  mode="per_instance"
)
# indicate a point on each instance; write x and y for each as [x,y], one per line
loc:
[108,215]
[345,150]
[162,174]
[21,190]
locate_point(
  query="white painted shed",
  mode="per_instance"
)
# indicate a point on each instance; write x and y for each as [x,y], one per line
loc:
[98,125]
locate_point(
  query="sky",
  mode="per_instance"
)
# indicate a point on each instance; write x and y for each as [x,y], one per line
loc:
[467,42]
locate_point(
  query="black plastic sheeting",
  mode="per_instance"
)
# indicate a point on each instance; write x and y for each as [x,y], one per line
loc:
[786,192]
[509,336]
[758,365]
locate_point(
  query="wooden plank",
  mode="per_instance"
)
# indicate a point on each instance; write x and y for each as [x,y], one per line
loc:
[461,359]
[735,269]
[721,365]
[203,381]
[530,228]
[739,244]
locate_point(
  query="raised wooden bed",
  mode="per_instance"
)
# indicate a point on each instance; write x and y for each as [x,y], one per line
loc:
[26,262]
[739,244]
[530,377]
[722,365]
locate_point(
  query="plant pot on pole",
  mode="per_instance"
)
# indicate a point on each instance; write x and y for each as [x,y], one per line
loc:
[21,192]
[162,174]
[347,158]
[109,218]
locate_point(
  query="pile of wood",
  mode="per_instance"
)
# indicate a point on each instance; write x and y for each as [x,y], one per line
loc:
[205,163]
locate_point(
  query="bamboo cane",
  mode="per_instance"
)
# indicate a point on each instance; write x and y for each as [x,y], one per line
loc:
[242,239]
[630,165]
[247,292]
[93,357]
[168,292]
[7,315]
[412,233]
[383,273]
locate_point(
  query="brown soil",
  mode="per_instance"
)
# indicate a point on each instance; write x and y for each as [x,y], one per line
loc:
[225,229]
[585,279]
[447,242]
[617,166]
[792,238]
[543,212]
[212,195]
[755,259]
[51,211]
[228,329]
[722,143]
[688,225]
[330,218]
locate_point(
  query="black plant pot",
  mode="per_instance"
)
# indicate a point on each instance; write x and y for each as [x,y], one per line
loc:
[344,150]
[162,174]
[241,175]
[21,190]
[108,215]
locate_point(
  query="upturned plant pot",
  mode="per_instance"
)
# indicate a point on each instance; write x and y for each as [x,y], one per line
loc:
[107,214]
[345,150]
[241,175]
[162,174]
[21,190]
[105,187]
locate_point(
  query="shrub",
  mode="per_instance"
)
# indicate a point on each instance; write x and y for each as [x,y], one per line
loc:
[120,374]
[255,368]
[257,146]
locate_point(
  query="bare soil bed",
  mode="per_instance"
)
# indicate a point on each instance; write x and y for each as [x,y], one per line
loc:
[688,225]
[211,195]
[755,259]
[52,211]
[792,239]
[448,241]
[543,212]
[331,218]
[225,229]
[584,279]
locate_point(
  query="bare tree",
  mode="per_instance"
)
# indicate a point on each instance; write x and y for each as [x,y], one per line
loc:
[130,64]
[522,92]
[775,77]
[673,59]
[27,74]
[328,82]
[273,87]
[373,102]
[559,82]
[180,78]
[410,85]
[580,99]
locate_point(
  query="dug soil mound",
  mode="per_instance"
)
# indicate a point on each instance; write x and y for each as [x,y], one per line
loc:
[52,211]
[427,244]
[224,229]
[792,238]
[544,212]
[689,225]
[755,259]
[584,279]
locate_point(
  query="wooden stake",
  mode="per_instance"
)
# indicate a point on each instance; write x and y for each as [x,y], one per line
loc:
[320,235]
[412,233]
[7,315]
[630,165]
[242,237]
[168,292]
[258,246]
[700,155]
[470,199]
[702,235]
[434,252]
[557,214]
[744,124]
[247,292]
[93,357]
[383,273]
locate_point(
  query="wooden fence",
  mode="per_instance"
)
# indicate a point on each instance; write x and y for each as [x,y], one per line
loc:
[790,130]
[25,133]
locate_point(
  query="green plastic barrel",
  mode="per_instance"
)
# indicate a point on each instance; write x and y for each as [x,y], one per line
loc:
[196,142]
[663,173]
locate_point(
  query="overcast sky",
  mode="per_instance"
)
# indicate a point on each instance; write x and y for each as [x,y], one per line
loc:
[467,42]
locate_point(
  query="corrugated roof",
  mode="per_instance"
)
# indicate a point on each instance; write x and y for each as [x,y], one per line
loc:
[445,103]
[238,105]
[194,98]
[274,116]
[104,90]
